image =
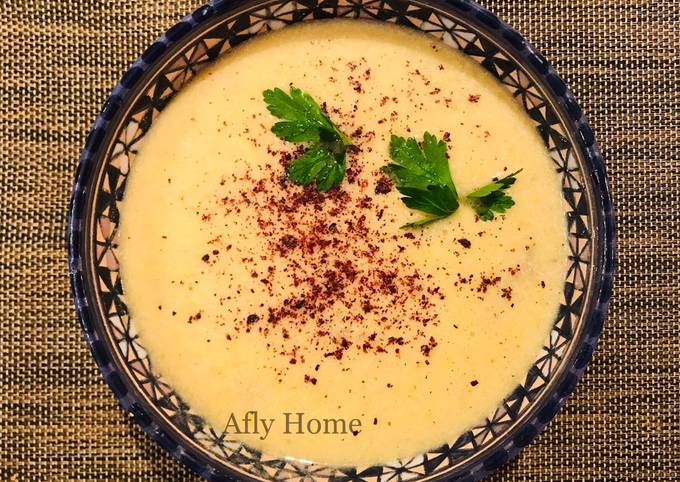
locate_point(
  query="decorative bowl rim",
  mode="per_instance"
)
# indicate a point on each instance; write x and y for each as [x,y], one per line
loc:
[198,21]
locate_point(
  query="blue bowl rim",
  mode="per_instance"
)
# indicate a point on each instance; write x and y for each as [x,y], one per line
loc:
[476,15]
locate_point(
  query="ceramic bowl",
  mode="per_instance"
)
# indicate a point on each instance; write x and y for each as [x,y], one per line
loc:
[196,41]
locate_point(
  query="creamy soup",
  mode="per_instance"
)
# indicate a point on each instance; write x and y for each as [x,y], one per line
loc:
[264,303]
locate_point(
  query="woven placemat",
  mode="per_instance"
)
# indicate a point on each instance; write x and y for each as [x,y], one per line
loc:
[59,60]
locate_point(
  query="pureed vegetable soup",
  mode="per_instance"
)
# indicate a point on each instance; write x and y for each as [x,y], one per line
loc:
[278,310]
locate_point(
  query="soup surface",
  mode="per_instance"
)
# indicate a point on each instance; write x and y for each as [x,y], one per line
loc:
[253,294]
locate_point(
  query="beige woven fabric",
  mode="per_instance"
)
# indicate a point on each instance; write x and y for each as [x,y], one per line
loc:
[59,60]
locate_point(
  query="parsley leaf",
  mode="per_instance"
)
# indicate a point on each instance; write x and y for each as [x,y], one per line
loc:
[305,121]
[492,197]
[318,164]
[421,174]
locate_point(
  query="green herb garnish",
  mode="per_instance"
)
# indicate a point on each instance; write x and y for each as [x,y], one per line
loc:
[422,175]
[304,121]
[492,197]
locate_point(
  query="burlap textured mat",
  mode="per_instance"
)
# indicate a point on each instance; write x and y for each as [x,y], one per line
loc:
[60,59]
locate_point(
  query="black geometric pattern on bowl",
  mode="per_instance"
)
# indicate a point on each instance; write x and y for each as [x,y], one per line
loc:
[194,43]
